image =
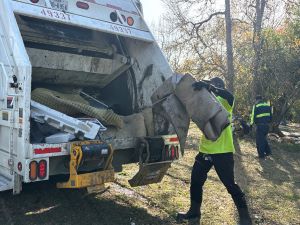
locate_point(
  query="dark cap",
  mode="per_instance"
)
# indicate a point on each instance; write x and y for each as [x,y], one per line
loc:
[218,82]
[258,97]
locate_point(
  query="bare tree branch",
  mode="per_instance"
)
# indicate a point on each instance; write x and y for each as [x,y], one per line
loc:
[198,25]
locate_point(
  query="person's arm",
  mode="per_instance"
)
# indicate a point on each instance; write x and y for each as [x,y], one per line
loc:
[223,93]
[218,91]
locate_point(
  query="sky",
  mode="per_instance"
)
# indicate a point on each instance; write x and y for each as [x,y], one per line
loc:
[152,10]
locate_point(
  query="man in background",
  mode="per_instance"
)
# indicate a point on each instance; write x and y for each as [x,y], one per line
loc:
[261,116]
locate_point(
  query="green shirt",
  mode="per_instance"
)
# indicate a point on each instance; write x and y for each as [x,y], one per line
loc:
[224,144]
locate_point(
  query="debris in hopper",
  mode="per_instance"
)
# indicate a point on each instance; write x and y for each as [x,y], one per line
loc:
[93,120]
[59,138]
[58,120]
[74,104]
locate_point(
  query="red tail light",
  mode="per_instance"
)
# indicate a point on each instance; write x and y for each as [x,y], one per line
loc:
[177,152]
[82,5]
[42,169]
[173,152]
[130,21]
[166,152]
[34,1]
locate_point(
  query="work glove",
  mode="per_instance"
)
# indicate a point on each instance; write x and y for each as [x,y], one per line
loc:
[199,85]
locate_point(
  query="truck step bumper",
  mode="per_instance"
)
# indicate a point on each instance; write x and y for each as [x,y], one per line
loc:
[150,173]
[88,179]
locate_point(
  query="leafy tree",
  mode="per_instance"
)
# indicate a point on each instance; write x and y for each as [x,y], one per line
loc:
[281,69]
[266,41]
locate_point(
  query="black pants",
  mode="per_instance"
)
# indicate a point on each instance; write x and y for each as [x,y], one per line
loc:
[262,145]
[224,165]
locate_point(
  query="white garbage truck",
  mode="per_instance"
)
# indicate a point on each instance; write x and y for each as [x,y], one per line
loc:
[79,94]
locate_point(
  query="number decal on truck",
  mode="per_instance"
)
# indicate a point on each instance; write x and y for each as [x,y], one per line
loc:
[55,14]
[124,30]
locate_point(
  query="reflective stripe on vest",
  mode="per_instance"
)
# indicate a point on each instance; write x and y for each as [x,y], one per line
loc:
[264,112]
[263,115]
[262,104]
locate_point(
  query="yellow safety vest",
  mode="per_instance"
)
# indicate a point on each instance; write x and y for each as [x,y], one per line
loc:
[224,144]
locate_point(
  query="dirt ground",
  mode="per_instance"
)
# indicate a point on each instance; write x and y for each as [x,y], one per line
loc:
[272,187]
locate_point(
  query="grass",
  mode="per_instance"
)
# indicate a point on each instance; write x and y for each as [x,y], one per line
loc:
[272,187]
[274,184]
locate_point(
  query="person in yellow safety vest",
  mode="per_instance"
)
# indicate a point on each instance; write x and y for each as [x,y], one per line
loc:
[262,115]
[219,154]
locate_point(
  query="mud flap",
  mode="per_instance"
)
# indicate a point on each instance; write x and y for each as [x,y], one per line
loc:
[150,173]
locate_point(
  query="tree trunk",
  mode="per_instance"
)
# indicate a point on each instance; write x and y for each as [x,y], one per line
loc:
[279,111]
[257,46]
[230,66]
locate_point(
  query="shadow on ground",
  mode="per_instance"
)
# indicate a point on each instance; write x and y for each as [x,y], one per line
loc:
[284,167]
[270,183]
[54,206]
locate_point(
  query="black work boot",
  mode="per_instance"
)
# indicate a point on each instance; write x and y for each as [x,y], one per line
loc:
[244,217]
[193,213]
[241,205]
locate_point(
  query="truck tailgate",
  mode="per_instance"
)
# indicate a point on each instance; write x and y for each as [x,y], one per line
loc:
[116,18]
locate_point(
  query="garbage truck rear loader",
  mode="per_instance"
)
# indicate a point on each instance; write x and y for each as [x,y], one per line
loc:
[76,81]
